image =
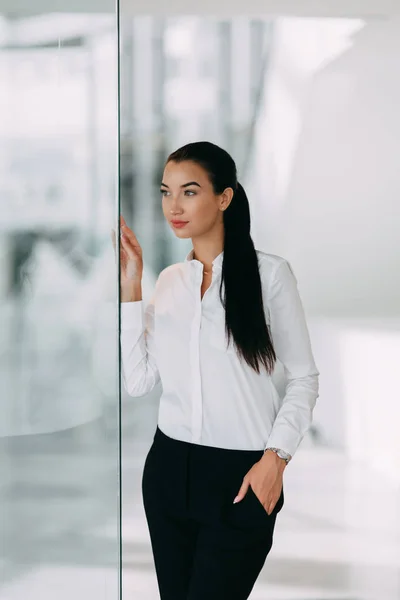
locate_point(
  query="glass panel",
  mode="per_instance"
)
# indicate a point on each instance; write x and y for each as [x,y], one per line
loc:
[59,441]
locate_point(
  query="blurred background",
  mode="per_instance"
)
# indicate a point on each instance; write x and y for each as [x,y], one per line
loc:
[92,100]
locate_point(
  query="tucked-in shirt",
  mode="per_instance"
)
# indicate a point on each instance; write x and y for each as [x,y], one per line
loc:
[211,396]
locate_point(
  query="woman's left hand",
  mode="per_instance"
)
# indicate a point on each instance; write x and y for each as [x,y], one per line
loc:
[265,479]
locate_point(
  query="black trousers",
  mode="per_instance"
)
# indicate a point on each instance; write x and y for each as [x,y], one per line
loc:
[204,546]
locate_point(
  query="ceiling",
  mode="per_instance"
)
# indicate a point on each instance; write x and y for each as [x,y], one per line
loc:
[307,8]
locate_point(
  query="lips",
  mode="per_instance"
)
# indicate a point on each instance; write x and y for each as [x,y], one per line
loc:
[179,224]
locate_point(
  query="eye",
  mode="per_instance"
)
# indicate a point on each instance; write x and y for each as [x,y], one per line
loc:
[163,192]
[190,193]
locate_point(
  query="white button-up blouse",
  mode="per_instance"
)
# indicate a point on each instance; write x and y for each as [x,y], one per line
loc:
[209,395]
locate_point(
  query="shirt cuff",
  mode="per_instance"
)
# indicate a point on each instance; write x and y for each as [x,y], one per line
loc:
[285,439]
[132,315]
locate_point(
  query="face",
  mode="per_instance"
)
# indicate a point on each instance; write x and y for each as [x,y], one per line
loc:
[189,203]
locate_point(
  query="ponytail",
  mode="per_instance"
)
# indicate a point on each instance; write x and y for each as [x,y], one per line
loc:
[241,289]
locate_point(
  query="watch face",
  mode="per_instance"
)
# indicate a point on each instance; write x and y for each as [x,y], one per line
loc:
[283,454]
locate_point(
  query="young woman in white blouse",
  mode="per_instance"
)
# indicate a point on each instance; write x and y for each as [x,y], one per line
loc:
[216,324]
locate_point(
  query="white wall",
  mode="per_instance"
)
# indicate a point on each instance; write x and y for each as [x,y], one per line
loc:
[333,210]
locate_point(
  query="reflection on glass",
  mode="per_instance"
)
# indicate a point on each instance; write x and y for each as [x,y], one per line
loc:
[58,295]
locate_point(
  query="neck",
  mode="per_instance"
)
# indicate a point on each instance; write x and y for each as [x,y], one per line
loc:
[206,251]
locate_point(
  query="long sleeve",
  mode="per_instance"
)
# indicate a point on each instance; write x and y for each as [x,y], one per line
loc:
[139,369]
[293,348]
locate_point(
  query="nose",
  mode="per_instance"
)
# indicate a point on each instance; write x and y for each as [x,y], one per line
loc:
[175,208]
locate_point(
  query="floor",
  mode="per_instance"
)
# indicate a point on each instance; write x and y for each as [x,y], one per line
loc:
[337,538]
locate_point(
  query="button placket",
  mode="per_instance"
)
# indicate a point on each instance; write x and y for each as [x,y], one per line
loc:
[197,400]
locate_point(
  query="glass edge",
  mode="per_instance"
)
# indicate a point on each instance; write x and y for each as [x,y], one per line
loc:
[119,394]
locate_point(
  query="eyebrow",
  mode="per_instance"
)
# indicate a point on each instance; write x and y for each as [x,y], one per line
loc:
[184,185]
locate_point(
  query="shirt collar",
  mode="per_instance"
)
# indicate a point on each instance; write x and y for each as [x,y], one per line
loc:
[217,262]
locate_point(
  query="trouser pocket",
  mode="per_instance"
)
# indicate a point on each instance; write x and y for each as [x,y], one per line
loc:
[249,512]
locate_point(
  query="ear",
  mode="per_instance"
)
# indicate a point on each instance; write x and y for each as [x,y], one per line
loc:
[226,198]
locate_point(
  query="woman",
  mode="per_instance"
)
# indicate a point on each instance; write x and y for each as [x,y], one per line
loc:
[216,324]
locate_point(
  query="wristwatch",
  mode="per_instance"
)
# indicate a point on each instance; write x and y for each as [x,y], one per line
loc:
[281,453]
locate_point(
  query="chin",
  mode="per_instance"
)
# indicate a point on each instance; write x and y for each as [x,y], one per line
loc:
[183,235]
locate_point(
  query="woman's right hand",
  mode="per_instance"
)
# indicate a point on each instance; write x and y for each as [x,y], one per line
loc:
[131,259]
